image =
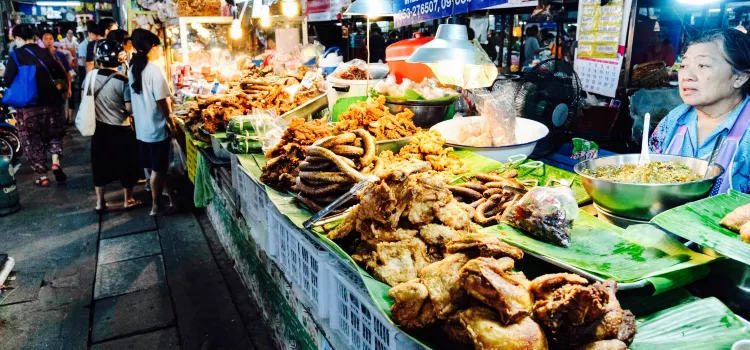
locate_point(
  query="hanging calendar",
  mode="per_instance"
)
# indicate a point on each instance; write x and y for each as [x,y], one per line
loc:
[597,75]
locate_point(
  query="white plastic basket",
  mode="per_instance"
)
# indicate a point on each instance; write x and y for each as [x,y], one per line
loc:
[283,246]
[312,274]
[355,319]
[323,343]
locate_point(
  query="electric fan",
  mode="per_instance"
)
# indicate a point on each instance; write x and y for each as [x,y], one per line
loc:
[550,93]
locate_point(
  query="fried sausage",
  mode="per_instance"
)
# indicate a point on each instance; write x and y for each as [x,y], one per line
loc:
[314,159]
[464,192]
[476,203]
[319,190]
[474,186]
[493,191]
[368,143]
[309,203]
[512,173]
[487,177]
[348,151]
[330,141]
[480,215]
[341,164]
[325,176]
[306,166]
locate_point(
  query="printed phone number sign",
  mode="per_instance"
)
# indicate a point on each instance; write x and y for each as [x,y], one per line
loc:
[409,12]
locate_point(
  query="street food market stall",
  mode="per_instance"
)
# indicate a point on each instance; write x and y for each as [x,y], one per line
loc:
[362,211]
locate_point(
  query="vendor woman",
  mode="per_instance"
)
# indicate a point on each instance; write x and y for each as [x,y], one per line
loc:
[714,85]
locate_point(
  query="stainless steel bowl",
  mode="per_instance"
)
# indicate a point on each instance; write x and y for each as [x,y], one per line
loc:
[644,201]
[426,113]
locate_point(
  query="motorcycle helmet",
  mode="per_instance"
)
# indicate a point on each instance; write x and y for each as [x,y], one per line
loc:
[110,53]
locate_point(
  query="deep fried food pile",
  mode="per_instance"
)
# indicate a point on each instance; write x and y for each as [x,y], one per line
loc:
[375,117]
[353,73]
[333,165]
[284,159]
[410,232]
[426,146]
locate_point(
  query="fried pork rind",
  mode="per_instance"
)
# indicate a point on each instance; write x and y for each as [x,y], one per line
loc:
[373,116]
[280,172]
[426,146]
[400,261]
[411,305]
[480,327]
[494,284]
[302,133]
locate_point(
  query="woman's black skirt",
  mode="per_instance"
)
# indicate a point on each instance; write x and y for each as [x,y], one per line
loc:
[114,155]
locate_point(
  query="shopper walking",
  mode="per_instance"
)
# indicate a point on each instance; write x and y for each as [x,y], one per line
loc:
[41,126]
[48,38]
[103,28]
[151,109]
[114,149]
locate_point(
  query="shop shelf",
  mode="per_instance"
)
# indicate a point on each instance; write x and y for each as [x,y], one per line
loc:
[355,318]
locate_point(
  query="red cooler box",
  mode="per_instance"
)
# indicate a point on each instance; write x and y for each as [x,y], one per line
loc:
[397,54]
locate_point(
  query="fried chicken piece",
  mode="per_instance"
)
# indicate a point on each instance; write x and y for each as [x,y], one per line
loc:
[411,305]
[442,280]
[481,327]
[745,232]
[571,305]
[377,233]
[542,286]
[302,133]
[484,245]
[436,234]
[491,282]
[378,203]
[399,262]
[454,215]
[736,218]
[346,226]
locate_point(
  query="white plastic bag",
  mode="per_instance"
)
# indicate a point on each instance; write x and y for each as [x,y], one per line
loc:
[86,117]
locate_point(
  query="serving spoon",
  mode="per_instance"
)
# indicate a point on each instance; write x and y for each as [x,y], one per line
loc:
[645,156]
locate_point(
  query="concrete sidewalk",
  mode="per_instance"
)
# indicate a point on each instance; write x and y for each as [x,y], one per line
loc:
[122,280]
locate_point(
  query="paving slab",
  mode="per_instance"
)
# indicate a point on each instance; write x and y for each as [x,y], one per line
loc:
[118,222]
[25,287]
[128,276]
[204,322]
[128,247]
[163,339]
[132,313]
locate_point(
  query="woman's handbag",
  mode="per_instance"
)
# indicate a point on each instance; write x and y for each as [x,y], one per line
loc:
[23,91]
[86,117]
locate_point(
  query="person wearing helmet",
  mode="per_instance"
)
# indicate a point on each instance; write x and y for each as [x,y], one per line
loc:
[114,150]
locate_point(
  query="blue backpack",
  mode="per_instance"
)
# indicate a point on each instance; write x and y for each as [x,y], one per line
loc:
[23,90]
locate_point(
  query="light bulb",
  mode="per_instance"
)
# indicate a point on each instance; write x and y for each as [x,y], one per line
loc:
[265,17]
[235,31]
[289,8]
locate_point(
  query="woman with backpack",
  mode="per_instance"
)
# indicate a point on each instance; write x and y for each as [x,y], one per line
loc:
[114,149]
[38,100]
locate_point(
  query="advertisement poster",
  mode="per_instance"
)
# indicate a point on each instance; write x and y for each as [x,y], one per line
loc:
[599,28]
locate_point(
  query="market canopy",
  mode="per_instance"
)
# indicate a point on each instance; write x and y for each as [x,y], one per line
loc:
[409,12]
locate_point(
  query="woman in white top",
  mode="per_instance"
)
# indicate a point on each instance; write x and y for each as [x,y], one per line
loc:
[150,95]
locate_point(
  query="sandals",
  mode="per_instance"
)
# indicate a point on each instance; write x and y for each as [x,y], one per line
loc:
[60,176]
[42,182]
[169,211]
[101,210]
[133,203]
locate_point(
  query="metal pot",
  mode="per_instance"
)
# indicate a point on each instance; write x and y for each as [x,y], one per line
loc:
[426,113]
[644,201]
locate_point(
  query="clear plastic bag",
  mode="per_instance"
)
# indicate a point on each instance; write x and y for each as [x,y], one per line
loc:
[547,213]
[268,127]
[355,69]
[177,163]
[497,120]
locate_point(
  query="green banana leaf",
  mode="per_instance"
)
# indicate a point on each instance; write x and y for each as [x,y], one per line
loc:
[701,324]
[699,222]
[641,252]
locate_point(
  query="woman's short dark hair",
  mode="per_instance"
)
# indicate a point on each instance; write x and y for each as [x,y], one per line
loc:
[119,35]
[532,31]
[735,47]
[23,31]
[47,31]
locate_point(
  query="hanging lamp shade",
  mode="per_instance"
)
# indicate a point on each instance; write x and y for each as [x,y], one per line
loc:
[455,60]
[370,8]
